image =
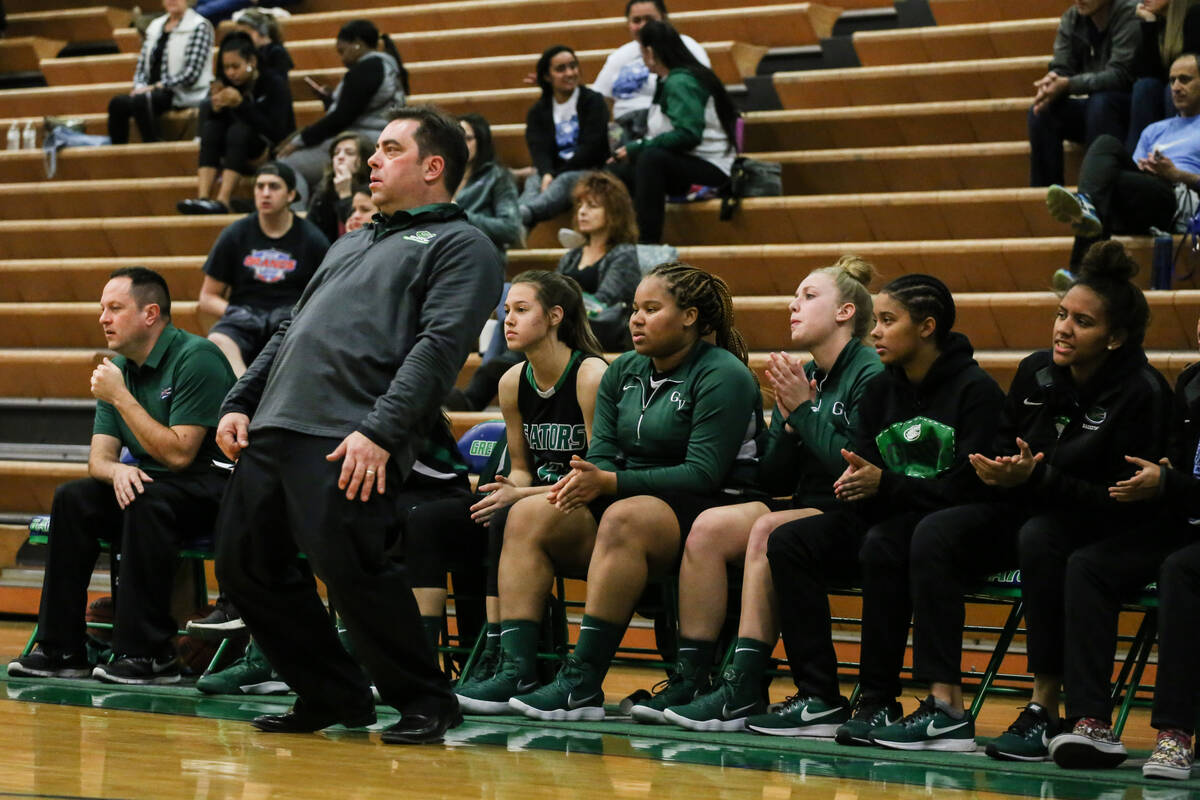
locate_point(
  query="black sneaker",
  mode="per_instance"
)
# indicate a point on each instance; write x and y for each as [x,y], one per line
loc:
[140,670]
[1027,739]
[867,716]
[42,663]
[222,622]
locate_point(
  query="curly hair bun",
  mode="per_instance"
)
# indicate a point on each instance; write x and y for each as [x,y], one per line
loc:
[1108,260]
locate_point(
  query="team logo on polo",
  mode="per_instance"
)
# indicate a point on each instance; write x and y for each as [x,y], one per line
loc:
[420,237]
[166,392]
[269,266]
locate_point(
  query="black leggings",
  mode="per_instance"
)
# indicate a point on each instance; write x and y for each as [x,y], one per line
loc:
[227,142]
[1178,647]
[656,173]
[144,108]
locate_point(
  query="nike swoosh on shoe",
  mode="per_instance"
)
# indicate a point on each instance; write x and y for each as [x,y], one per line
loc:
[933,730]
[807,717]
[573,704]
[728,713]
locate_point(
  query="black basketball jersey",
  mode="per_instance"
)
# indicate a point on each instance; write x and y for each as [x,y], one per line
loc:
[553,423]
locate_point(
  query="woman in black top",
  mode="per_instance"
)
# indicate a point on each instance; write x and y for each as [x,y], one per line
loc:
[331,200]
[249,111]
[566,131]
[374,82]
[268,38]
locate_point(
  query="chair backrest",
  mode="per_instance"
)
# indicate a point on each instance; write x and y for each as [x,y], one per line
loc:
[485,449]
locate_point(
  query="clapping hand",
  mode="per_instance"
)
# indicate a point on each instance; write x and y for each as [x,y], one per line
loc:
[1006,471]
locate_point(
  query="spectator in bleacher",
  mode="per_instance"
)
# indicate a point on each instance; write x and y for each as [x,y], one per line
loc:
[1169,29]
[671,420]
[1156,187]
[362,208]
[258,269]
[375,82]
[174,70]
[487,192]
[919,420]
[250,110]
[1072,414]
[344,399]
[1102,574]
[218,10]
[566,131]
[329,203]
[690,130]
[815,418]
[159,397]
[625,81]
[547,405]
[1085,93]
[268,38]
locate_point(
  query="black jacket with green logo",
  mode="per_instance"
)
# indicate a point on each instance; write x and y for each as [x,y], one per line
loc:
[1085,431]
[921,434]
[1180,486]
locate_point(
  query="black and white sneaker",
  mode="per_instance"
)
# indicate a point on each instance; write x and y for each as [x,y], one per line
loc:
[42,663]
[139,670]
[224,621]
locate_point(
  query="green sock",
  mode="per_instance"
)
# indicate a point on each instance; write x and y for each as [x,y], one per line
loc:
[519,641]
[433,631]
[695,656]
[598,642]
[491,637]
[751,656]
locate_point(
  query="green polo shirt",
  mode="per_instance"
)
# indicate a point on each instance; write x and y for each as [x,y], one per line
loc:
[182,382]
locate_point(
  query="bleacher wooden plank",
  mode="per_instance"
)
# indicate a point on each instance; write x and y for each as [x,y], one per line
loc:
[25,53]
[156,160]
[72,25]
[28,486]
[71,325]
[909,83]
[676,6]
[81,279]
[1024,37]
[958,12]
[887,125]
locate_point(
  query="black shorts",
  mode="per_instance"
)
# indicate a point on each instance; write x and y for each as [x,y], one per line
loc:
[250,328]
[686,505]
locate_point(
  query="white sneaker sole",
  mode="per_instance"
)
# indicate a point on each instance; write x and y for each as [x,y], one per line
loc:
[738,724]
[156,680]
[1065,207]
[265,687]
[648,716]
[471,705]
[17,671]
[1163,771]
[1075,751]
[940,745]
[584,713]
[801,731]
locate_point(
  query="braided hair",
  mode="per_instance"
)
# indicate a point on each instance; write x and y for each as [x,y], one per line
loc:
[709,295]
[924,296]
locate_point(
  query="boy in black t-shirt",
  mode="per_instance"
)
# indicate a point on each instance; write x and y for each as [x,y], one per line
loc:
[258,268]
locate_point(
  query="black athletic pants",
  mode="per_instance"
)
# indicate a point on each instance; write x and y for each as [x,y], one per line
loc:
[1100,576]
[806,556]
[1078,119]
[283,499]
[1175,693]
[145,538]
[144,108]
[655,173]
[951,549]
[227,142]
[1126,199]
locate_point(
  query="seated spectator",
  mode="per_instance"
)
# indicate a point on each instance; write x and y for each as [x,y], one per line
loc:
[174,70]
[566,131]
[264,29]
[625,81]
[258,268]
[160,398]
[659,455]
[487,192]
[362,208]
[690,130]
[1153,188]
[250,110]
[1169,29]
[816,412]
[217,10]
[329,203]
[374,83]
[1086,91]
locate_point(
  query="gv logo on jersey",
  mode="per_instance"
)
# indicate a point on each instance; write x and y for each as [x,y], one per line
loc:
[270,266]
[677,397]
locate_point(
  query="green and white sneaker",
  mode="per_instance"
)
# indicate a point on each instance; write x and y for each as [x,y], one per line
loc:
[1027,739]
[679,688]
[491,696]
[809,717]
[574,694]
[483,668]
[928,728]
[866,717]
[250,674]
[725,708]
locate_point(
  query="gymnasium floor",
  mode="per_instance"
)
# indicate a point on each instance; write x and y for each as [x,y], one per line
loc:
[82,739]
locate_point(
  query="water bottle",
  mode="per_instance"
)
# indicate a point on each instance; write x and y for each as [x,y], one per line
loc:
[1163,260]
[29,137]
[14,136]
